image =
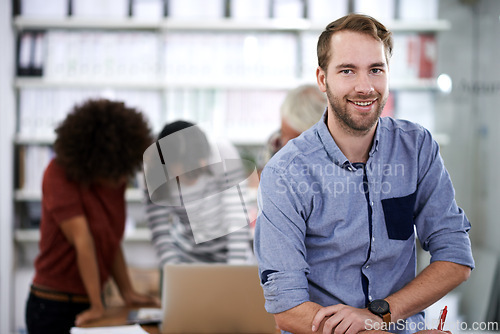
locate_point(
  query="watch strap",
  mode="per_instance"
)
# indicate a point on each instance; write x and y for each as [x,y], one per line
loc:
[387,318]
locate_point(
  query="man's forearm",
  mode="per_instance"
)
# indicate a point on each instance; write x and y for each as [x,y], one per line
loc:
[297,320]
[435,281]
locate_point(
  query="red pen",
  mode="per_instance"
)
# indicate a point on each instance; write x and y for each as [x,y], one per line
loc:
[442,318]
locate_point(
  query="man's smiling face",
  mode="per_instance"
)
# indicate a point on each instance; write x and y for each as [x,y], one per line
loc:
[356,81]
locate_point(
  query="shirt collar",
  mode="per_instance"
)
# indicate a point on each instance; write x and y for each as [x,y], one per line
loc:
[376,137]
[333,150]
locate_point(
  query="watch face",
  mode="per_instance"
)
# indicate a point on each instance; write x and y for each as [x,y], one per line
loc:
[379,306]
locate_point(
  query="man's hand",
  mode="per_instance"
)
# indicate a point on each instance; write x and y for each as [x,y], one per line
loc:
[427,331]
[344,319]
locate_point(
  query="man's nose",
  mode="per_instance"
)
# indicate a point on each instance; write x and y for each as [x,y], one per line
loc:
[364,84]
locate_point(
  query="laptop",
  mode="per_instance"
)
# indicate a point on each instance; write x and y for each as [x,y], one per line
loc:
[213,298]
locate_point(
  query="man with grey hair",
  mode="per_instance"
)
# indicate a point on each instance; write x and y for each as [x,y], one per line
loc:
[301,109]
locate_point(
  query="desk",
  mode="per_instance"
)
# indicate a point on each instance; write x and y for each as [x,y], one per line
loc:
[117,316]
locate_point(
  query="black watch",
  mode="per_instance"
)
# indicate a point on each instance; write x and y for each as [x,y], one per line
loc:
[381,308]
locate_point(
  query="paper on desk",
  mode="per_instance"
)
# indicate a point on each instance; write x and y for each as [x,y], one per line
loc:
[131,329]
[145,315]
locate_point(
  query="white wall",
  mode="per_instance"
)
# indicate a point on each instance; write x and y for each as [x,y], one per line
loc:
[470,115]
[488,112]
[469,53]
[7,128]
[455,112]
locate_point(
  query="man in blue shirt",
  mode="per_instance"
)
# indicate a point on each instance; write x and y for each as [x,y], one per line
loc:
[341,205]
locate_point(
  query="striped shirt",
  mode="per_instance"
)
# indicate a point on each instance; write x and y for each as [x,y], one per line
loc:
[208,206]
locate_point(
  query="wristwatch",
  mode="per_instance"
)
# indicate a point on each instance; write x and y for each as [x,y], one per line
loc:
[381,308]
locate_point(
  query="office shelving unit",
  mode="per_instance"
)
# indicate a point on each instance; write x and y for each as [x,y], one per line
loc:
[26,238]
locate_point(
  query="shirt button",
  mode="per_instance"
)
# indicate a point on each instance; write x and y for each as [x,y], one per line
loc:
[370,298]
[349,169]
[367,266]
[371,203]
[373,238]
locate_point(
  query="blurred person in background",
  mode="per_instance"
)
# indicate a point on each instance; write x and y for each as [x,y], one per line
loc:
[301,109]
[99,147]
[197,203]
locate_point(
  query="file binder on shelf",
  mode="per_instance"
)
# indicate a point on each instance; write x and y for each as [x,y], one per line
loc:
[288,9]
[196,9]
[422,10]
[383,10]
[147,9]
[53,9]
[30,53]
[246,10]
[100,8]
[325,10]
[41,109]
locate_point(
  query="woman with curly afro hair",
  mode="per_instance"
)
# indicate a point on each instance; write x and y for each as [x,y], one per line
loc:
[99,146]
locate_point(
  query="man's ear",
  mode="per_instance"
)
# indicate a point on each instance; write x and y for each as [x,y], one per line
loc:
[321,79]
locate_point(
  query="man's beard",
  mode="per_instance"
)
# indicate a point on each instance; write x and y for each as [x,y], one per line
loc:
[345,118]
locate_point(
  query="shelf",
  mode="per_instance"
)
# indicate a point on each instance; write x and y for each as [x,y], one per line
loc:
[155,84]
[85,23]
[419,26]
[131,195]
[40,82]
[33,235]
[250,84]
[238,25]
[294,25]
[21,139]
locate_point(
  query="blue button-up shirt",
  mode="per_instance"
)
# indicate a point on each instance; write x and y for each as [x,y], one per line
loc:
[329,233]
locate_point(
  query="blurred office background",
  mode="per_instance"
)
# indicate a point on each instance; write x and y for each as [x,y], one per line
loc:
[227,65]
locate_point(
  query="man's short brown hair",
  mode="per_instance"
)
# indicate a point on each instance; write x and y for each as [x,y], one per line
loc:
[353,22]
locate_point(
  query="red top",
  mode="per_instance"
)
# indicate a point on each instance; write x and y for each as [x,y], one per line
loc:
[104,208]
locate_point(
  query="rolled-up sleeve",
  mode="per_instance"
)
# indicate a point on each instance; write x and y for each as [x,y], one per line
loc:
[442,226]
[279,243]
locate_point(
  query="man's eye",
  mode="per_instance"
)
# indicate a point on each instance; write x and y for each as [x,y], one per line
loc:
[376,70]
[346,71]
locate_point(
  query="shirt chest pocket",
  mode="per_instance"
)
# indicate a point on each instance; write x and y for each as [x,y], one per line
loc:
[398,213]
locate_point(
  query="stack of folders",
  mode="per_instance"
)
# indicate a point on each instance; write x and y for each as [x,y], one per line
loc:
[56,9]
[30,53]
[235,114]
[135,55]
[229,55]
[102,55]
[42,109]
[417,106]
[53,9]
[238,115]
[389,10]
[414,56]
[316,10]
[31,164]
[253,114]
[423,10]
